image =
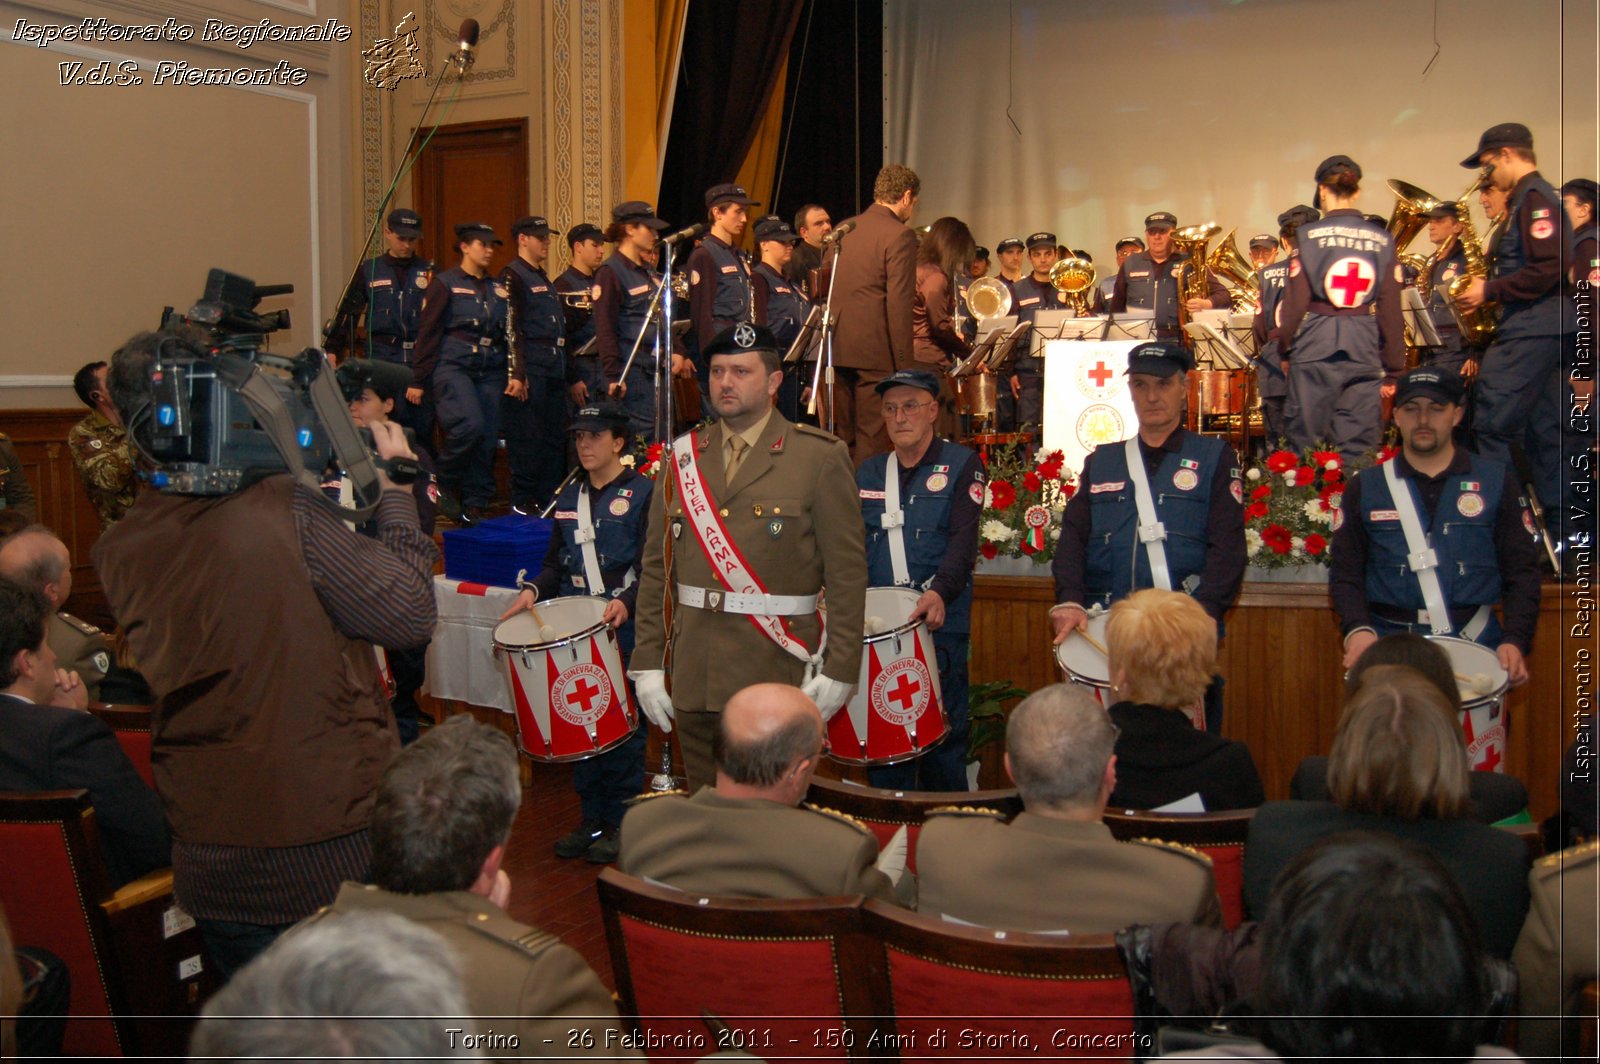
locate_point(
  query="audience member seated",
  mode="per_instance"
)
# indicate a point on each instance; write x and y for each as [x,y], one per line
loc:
[1399,765]
[748,836]
[1493,796]
[49,743]
[1163,652]
[35,994]
[38,559]
[1367,950]
[1575,821]
[1055,867]
[1556,952]
[374,986]
[440,824]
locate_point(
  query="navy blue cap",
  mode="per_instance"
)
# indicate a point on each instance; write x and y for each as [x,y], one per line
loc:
[1429,382]
[979,252]
[388,380]
[911,378]
[1007,244]
[477,231]
[1505,135]
[1039,240]
[531,224]
[741,338]
[1584,189]
[1445,210]
[1263,240]
[1159,358]
[584,231]
[606,414]
[1125,241]
[774,228]
[717,195]
[405,222]
[1298,215]
[636,212]
[1161,220]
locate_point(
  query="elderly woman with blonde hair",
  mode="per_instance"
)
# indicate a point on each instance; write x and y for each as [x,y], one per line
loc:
[1162,647]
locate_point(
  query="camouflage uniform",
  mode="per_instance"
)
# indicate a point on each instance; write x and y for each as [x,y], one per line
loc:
[15,492]
[104,459]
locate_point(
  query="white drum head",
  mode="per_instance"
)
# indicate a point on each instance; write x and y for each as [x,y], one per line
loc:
[1079,658]
[1479,676]
[888,611]
[563,619]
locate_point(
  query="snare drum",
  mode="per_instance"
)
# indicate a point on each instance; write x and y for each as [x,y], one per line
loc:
[1081,661]
[567,683]
[1483,684]
[897,711]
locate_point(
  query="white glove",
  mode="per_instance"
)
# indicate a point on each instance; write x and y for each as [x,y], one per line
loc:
[829,694]
[651,686]
[892,858]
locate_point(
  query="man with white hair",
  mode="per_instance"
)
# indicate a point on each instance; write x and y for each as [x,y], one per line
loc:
[36,558]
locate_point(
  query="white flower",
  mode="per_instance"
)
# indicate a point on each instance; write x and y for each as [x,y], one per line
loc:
[1252,474]
[1252,541]
[627,460]
[1055,533]
[1297,544]
[997,532]
[1288,477]
[1331,464]
[1315,512]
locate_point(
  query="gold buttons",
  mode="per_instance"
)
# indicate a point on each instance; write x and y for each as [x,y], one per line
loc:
[777,509]
[756,509]
[723,511]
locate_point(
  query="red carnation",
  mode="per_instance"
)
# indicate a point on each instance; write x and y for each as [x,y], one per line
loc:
[1031,481]
[1068,489]
[1050,468]
[1282,461]
[1255,510]
[1305,476]
[989,550]
[1261,492]
[1278,538]
[1315,544]
[1332,476]
[1003,493]
[1321,459]
[1387,453]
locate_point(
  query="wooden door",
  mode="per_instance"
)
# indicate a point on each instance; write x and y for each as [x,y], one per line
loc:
[472,172]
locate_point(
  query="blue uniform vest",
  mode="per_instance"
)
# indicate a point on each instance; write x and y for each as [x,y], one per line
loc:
[474,322]
[394,304]
[1152,287]
[927,527]
[618,536]
[1461,535]
[1544,315]
[786,308]
[1028,298]
[573,283]
[1325,248]
[731,299]
[1117,563]
[540,324]
[637,285]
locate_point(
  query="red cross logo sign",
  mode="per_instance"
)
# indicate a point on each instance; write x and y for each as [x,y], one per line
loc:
[901,692]
[582,694]
[1348,281]
[1100,374]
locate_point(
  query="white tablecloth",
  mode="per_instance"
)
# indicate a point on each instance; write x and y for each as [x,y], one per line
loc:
[461,661]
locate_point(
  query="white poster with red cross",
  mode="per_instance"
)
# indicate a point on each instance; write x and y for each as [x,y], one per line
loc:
[1350,282]
[1086,397]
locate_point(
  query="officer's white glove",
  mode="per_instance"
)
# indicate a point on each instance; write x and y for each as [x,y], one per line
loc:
[651,686]
[829,694]
[892,858]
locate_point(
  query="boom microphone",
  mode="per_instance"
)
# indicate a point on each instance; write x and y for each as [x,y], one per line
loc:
[466,44]
[686,233]
[839,232]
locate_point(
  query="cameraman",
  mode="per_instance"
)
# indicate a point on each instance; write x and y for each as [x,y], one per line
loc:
[253,615]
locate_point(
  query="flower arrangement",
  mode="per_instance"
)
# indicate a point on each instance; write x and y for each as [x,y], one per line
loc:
[647,461]
[1291,502]
[1023,503]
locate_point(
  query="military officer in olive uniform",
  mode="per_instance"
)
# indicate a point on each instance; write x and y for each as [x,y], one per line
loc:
[37,559]
[1555,954]
[1055,867]
[777,501]
[449,878]
[748,836]
[15,492]
[100,449]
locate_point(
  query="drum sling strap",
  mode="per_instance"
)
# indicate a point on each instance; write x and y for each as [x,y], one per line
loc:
[1152,532]
[894,521]
[1423,560]
[585,538]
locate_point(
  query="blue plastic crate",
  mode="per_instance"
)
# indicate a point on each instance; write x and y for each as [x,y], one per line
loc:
[492,551]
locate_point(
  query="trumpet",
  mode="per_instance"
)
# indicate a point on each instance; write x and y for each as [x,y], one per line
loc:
[576,300]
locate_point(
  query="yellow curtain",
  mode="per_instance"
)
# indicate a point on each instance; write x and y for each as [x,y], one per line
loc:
[653,42]
[759,171]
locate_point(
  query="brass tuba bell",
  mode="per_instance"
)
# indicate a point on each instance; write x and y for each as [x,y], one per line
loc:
[988,297]
[1236,271]
[1410,214]
[1074,277]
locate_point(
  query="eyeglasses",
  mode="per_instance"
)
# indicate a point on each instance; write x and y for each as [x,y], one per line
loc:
[895,410]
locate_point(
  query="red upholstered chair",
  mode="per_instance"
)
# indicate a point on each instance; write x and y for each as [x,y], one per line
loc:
[1218,835]
[130,953]
[131,726]
[781,975]
[886,811]
[959,991]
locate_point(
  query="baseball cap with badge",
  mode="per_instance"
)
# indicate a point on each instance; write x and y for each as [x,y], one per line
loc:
[1443,385]
[1445,210]
[597,417]
[1007,244]
[980,253]
[741,338]
[1129,241]
[1263,240]
[1161,220]
[1299,215]
[774,228]
[1583,189]
[717,195]
[405,223]
[532,225]
[477,231]
[1039,240]
[636,212]
[1505,135]
[584,231]
[911,378]
[1160,359]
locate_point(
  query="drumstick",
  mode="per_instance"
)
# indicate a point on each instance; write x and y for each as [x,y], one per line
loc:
[1092,641]
[545,630]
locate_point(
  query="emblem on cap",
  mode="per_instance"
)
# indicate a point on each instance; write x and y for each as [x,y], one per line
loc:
[744,334]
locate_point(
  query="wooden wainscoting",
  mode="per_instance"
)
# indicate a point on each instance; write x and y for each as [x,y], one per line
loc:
[1281,659]
[41,439]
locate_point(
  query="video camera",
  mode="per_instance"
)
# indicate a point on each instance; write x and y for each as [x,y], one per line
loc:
[223,418]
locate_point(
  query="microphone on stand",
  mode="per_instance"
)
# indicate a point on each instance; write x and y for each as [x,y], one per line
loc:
[686,233]
[839,232]
[466,45]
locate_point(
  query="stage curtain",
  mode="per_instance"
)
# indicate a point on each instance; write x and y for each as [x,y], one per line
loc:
[733,55]
[671,17]
[759,170]
[652,45]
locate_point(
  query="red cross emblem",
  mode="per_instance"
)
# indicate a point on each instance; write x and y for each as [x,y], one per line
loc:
[585,692]
[1100,374]
[1348,280]
[904,692]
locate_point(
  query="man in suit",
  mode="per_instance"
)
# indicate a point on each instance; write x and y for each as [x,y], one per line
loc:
[875,279]
[777,502]
[1555,954]
[1059,866]
[441,822]
[49,742]
[748,836]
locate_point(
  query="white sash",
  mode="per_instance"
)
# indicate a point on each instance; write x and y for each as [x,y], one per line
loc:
[894,521]
[1423,560]
[585,538]
[723,554]
[1151,530]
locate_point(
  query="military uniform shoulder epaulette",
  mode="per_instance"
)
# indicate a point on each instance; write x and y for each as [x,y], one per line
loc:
[1572,855]
[81,625]
[811,430]
[836,815]
[966,810]
[647,795]
[1176,847]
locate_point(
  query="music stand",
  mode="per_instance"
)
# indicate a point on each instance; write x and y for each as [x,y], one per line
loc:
[1083,328]
[809,336]
[1418,319]
[590,346]
[1000,324]
[1135,324]
[1003,352]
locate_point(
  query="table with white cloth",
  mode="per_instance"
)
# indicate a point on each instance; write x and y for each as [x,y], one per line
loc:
[461,663]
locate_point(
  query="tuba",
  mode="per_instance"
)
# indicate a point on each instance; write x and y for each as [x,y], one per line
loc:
[988,297]
[1477,325]
[1074,277]
[1237,272]
[1410,215]
[1191,240]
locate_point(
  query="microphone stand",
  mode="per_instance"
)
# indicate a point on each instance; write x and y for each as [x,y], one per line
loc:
[826,343]
[666,479]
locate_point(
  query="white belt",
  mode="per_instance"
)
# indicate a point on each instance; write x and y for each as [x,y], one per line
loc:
[717,600]
[1474,626]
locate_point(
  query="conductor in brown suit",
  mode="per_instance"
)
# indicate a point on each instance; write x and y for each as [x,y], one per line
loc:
[778,508]
[1060,867]
[748,836]
[875,285]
